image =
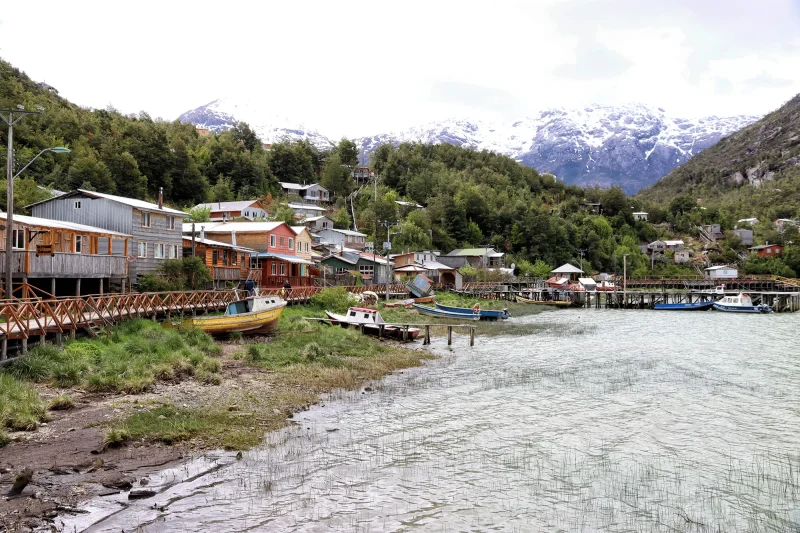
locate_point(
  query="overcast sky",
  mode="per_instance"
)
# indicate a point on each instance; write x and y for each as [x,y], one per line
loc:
[364,67]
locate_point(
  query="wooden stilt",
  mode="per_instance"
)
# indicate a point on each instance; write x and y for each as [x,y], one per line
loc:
[427,335]
[4,353]
[78,287]
[53,286]
[59,339]
[24,346]
[472,336]
[449,335]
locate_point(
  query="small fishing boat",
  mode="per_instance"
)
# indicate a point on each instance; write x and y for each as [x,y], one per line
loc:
[485,314]
[425,300]
[432,311]
[741,303]
[370,322]
[254,315]
[402,303]
[555,303]
[696,306]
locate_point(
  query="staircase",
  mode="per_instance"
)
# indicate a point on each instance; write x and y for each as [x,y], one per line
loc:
[705,236]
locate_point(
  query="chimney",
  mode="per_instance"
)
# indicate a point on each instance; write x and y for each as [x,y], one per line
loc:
[233,237]
[161,197]
[202,232]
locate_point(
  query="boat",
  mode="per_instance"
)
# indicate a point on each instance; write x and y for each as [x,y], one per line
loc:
[605,286]
[432,311]
[370,322]
[402,303]
[253,315]
[741,303]
[485,314]
[425,300]
[696,306]
[420,288]
[555,303]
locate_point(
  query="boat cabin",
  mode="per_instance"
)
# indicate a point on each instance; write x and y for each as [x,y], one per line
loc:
[251,305]
[364,315]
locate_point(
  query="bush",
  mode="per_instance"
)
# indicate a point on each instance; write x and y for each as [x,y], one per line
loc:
[21,408]
[336,300]
[189,273]
[61,403]
[4,439]
[312,351]
[116,437]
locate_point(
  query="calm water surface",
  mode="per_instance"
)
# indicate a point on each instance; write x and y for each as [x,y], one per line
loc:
[576,420]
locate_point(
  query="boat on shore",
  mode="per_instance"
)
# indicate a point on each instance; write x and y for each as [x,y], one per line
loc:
[432,311]
[696,306]
[371,322]
[256,315]
[741,303]
[409,302]
[554,303]
[485,314]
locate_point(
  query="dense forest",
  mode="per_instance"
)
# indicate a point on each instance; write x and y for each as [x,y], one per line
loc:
[470,198]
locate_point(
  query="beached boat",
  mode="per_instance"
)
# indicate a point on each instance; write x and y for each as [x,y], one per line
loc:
[421,288]
[425,300]
[485,314]
[696,306]
[402,303]
[741,303]
[432,311]
[554,303]
[370,322]
[254,315]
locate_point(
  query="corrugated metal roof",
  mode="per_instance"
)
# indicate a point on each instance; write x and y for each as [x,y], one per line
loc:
[210,242]
[288,258]
[226,227]
[345,232]
[566,268]
[472,252]
[138,204]
[60,224]
[228,206]
[311,207]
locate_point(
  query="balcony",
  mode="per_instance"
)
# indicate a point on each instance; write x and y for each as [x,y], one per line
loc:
[227,273]
[294,281]
[66,265]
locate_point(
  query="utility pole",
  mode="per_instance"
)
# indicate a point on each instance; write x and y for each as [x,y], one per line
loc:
[582,251]
[624,279]
[388,267]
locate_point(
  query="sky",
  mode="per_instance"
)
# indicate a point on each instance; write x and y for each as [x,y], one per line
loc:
[353,68]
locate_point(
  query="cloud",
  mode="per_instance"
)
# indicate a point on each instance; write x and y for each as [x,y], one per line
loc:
[476,96]
[765,81]
[593,61]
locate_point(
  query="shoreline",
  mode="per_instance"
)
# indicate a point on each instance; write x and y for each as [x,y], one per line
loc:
[71,466]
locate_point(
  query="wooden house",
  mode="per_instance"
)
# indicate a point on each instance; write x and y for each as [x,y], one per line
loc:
[767,250]
[343,238]
[640,215]
[155,229]
[227,263]
[315,224]
[55,256]
[275,260]
[249,209]
[746,235]
[681,256]
[722,272]
[313,192]
[302,210]
[372,268]
[478,257]
[303,242]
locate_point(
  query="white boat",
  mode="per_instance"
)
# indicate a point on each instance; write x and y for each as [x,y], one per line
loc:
[741,303]
[370,322]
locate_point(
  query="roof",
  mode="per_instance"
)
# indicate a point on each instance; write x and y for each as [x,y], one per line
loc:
[408,204]
[763,246]
[209,242]
[225,227]
[474,252]
[640,213]
[436,265]
[747,219]
[352,261]
[314,219]
[138,204]
[228,206]
[298,187]
[721,267]
[566,268]
[673,243]
[288,258]
[60,224]
[345,232]
[300,229]
[410,268]
[312,207]
[587,281]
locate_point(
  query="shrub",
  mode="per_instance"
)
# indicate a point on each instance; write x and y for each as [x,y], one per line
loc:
[4,439]
[115,437]
[336,300]
[21,408]
[61,403]
[312,351]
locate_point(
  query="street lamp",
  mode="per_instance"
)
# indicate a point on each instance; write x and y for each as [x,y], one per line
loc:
[11,117]
[55,149]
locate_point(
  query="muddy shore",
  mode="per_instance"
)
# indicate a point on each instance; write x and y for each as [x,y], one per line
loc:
[71,465]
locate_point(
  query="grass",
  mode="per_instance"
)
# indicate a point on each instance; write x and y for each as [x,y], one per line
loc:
[21,408]
[61,402]
[140,353]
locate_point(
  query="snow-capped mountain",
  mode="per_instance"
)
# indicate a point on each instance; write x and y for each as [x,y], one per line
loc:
[632,146]
[223,113]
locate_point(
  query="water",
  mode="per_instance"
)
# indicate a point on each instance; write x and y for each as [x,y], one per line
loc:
[594,421]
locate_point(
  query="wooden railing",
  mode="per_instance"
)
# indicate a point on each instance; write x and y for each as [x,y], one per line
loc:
[232,273]
[60,265]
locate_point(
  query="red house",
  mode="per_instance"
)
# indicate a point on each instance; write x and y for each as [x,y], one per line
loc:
[767,250]
[275,261]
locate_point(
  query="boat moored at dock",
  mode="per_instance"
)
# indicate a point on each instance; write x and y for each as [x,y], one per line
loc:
[371,322]
[696,306]
[432,311]
[741,303]
[554,303]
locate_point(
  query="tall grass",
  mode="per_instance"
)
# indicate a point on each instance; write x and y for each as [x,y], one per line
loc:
[140,353]
[21,408]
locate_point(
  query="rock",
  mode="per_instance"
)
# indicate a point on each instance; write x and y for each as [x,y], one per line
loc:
[239,456]
[121,484]
[162,417]
[367,389]
[140,494]
[233,407]
[21,481]
[144,482]
[96,465]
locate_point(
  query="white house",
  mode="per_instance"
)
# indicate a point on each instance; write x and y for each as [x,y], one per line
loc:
[343,238]
[249,209]
[313,192]
[674,245]
[722,272]
[307,210]
[640,215]
[751,221]
[681,256]
[314,224]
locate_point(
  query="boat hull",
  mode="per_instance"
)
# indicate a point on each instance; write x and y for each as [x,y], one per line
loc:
[554,303]
[485,314]
[753,309]
[697,306]
[432,311]
[259,322]
[389,332]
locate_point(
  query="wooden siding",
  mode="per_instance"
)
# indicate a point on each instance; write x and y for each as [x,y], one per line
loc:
[66,265]
[259,241]
[303,244]
[155,234]
[97,212]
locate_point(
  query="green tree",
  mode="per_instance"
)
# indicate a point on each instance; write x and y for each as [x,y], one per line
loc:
[222,191]
[245,135]
[198,214]
[88,168]
[348,152]
[336,177]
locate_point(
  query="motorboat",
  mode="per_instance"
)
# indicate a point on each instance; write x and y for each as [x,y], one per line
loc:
[741,303]
[256,315]
[485,314]
[605,286]
[696,306]
[372,323]
[440,313]
[555,303]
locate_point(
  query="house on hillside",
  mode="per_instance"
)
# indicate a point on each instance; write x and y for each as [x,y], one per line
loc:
[593,207]
[155,229]
[782,223]
[746,235]
[767,250]
[303,242]
[373,269]
[302,211]
[657,247]
[748,221]
[681,256]
[715,230]
[317,223]
[227,263]
[640,215]
[410,258]
[362,174]
[312,193]
[477,257]
[343,238]
[249,209]
[275,260]
[64,258]
[674,245]
[722,272]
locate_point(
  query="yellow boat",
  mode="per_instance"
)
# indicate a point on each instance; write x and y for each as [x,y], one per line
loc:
[254,315]
[522,299]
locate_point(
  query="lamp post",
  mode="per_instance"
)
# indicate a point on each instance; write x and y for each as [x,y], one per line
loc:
[11,117]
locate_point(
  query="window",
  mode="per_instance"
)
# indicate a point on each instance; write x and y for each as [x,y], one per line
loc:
[306,247]
[214,257]
[170,222]
[158,250]
[78,244]
[18,239]
[291,243]
[282,241]
[142,249]
[367,269]
[77,204]
[283,269]
[272,241]
[117,246]
[172,251]
[102,246]
[145,220]
[299,246]
[324,225]
[274,269]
